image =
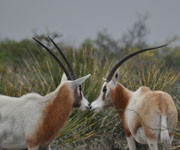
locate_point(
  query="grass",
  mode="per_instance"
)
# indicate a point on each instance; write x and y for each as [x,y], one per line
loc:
[88,130]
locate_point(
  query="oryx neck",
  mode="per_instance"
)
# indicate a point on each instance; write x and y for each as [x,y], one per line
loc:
[120,98]
[55,114]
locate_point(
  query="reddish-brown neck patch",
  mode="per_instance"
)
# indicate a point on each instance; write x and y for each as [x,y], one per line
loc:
[120,99]
[54,117]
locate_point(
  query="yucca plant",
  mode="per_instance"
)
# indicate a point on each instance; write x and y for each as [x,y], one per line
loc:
[89,130]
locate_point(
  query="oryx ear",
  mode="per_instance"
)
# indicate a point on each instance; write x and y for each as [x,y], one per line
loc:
[64,78]
[79,81]
[115,78]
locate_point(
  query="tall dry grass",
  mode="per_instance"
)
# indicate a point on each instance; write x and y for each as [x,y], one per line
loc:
[88,130]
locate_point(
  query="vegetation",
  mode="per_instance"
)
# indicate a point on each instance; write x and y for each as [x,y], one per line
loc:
[26,67]
[31,69]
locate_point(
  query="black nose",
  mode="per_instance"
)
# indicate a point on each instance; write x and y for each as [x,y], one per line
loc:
[89,106]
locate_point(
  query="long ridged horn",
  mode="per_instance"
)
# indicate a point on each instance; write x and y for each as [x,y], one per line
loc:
[54,56]
[65,59]
[113,70]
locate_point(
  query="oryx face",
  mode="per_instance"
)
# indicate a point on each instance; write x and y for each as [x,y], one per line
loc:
[104,100]
[80,102]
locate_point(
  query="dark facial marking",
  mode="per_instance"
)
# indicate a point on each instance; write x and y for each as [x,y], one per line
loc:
[104,89]
[80,88]
[78,97]
[107,99]
[104,93]
[104,96]
[116,75]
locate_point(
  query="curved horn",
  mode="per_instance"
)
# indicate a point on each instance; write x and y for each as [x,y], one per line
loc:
[65,59]
[54,56]
[113,70]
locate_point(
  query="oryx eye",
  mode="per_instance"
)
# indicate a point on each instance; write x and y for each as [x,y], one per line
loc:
[116,76]
[79,90]
[104,89]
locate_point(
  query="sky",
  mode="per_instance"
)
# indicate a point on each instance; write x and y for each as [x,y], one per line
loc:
[81,19]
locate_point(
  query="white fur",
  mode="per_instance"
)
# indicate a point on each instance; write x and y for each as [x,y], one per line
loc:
[98,104]
[63,79]
[152,144]
[165,139]
[19,115]
[84,104]
[131,143]
[164,132]
[34,148]
[79,81]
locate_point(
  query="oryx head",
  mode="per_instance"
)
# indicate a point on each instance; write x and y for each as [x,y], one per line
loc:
[105,98]
[75,84]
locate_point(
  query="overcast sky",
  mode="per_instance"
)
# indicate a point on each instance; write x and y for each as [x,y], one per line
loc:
[79,19]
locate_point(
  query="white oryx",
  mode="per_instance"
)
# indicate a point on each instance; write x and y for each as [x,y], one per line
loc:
[147,116]
[32,121]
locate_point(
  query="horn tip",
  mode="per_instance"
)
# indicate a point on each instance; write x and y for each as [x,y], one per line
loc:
[49,37]
[104,79]
[88,75]
[166,44]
